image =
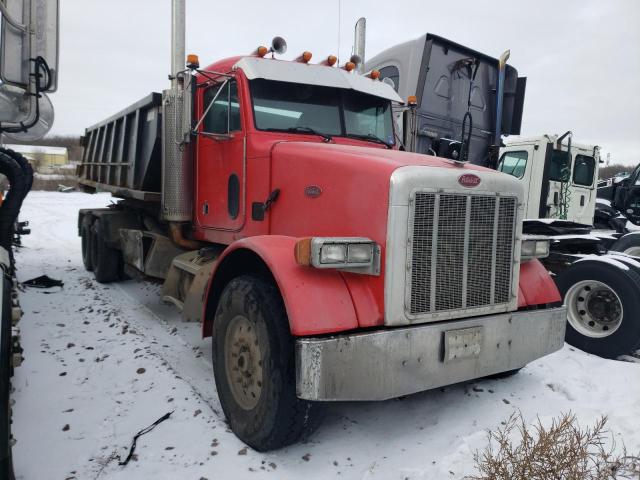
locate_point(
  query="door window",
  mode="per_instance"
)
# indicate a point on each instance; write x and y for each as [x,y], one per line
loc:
[560,168]
[514,163]
[583,170]
[223,116]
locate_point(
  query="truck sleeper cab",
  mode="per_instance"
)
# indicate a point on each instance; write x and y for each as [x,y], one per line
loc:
[326,264]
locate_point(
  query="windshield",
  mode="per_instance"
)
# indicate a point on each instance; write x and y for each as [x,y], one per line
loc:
[514,163]
[295,107]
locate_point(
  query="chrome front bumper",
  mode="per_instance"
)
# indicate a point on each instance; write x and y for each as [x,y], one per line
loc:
[390,363]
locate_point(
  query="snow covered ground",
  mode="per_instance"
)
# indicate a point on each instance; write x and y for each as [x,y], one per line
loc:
[102,362]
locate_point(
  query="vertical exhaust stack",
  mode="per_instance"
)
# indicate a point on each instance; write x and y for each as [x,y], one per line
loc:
[178,34]
[502,67]
[359,42]
[177,174]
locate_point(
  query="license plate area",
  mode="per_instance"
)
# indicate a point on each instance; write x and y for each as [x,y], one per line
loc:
[462,343]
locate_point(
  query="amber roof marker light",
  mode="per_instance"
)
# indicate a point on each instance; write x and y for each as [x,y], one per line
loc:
[330,61]
[305,57]
[261,51]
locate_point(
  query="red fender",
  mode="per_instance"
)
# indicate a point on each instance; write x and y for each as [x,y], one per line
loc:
[536,286]
[317,301]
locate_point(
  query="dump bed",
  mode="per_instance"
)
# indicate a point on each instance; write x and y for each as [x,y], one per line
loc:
[122,154]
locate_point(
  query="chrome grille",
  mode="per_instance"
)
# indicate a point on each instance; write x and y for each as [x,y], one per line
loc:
[461,251]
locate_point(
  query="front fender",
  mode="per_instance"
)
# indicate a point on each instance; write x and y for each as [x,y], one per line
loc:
[536,286]
[316,301]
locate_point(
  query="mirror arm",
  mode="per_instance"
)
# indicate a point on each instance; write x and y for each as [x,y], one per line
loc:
[10,20]
[195,129]
[218,136]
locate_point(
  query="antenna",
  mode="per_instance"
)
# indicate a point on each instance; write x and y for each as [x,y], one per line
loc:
[339,15]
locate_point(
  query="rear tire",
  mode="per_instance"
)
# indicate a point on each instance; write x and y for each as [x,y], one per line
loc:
[603,306]
[85,237]
[105,260]
[6,467]
[254,366]
[629,244]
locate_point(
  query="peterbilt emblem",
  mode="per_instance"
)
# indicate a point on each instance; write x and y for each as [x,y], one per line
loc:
[313,191]
[469,180]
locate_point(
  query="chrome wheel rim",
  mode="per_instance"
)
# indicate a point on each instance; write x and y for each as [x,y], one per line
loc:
[593,309]
[243,362]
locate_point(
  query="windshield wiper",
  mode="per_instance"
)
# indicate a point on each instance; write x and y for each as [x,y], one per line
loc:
[301,129]
[368,136]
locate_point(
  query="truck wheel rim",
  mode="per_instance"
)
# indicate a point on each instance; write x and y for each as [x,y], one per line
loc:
[593,309]
[633,251]
[243,362]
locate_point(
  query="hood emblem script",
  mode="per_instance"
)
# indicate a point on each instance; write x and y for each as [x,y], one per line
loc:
[469,180]
[312,191]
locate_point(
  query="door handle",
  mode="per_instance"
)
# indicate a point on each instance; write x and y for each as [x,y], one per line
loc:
[205,208]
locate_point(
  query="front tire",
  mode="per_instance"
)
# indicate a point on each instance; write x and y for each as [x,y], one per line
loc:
[254,366]
[603,306]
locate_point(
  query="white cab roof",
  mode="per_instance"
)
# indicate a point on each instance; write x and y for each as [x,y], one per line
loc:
[310,74]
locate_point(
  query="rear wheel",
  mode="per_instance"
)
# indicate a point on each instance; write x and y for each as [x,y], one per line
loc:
[85,237]
[603,306]
[106,261]
[629,244]
[254,366]
[6,468]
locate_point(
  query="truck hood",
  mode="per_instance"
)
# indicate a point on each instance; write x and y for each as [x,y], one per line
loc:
[343,190]
[372,157]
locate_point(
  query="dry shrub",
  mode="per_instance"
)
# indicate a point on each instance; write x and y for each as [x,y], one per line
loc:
[561,451]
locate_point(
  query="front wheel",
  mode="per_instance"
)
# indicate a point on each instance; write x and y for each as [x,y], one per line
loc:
[254,366]
[602,297]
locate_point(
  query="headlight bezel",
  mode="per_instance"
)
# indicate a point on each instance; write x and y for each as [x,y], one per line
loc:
[351,254]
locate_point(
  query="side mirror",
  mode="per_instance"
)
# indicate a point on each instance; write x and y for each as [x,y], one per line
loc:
[18,46]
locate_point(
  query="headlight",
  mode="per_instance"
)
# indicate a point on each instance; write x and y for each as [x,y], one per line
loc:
[534,247]
[354,254]
[331,253]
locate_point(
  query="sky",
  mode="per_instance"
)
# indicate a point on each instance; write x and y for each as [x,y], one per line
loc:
[581,58]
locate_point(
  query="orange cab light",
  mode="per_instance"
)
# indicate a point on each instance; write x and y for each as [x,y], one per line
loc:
[193,61]
[375,74]
[412,101]
[302,251]
[349,66]
[305,57]
[331,60]
[261,51]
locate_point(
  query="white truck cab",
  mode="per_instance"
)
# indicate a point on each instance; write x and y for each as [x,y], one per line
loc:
[560,177]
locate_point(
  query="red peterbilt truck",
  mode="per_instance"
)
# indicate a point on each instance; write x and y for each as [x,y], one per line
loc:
[273,201]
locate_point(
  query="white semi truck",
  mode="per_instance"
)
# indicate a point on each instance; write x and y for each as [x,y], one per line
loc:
[594,267]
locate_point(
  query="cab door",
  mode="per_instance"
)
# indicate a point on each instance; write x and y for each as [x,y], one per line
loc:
[519,161]
[220,158]
[583,193]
